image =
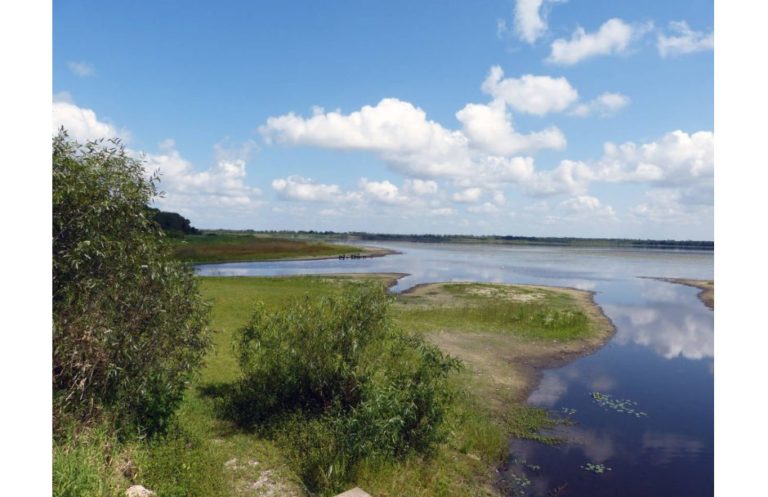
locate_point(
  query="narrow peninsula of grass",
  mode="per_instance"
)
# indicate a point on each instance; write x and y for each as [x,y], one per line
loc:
[217,247]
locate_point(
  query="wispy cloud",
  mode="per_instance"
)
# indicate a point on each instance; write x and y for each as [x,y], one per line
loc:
[684,40]
[81,68]
[531,18]
[604,105]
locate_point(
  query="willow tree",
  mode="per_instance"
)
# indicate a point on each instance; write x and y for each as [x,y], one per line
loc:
[129,325]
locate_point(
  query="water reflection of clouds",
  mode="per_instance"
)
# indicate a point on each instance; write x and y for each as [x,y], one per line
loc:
[657,291]
[669,330]
[549,391]
[667,446]
[598,446]
[555,384]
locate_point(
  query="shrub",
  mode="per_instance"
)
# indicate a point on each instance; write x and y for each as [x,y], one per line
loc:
[336,383]
[129,326]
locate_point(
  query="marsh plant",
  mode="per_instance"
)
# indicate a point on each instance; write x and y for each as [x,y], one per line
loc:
[623,406]
[568,411]
[597,469]
[333,381]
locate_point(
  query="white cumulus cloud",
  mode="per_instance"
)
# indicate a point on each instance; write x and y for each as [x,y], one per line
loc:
[81,123]
[306,190]
[420,187]
[468,195]
[613,37]
[684,40]
[587,205]
[677,158]
[531,19]
[402,136]
[489,129]
[397,130]
[538,95]
[187,188]
[383,192]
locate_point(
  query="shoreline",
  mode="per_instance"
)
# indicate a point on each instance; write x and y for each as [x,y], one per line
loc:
[525,360]
[368,252]
[706,287]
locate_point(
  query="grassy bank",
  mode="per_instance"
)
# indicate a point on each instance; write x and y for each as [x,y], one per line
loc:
[503,334]
[211,248]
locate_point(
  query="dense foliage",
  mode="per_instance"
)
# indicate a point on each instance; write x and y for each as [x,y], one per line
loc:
[129,326]
[336,383]
[173,223]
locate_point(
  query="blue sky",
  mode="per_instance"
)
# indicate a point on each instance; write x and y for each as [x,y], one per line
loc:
[434,117]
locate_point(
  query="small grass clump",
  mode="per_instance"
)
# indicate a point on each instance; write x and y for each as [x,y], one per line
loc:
[183,463]
[86,463]
[91,461]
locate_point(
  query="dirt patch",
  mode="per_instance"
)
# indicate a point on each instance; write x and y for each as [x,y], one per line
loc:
[509,293]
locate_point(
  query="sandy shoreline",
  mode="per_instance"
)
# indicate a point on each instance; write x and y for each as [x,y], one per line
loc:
[509,367]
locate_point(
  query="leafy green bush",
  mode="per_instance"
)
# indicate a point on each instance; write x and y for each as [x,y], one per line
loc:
[336,383]
[129,326]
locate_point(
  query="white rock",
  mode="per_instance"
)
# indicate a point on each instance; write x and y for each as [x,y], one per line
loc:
[138,491]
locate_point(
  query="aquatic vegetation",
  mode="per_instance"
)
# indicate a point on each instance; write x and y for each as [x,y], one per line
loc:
[568,411]
[619,405]
[518,484]
[524,464]
[597,469]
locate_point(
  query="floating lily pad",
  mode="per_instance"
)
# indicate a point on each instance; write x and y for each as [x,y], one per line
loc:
[619,405]
[597,469]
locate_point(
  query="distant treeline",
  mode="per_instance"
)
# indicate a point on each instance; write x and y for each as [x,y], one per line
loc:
[500,239]
[173,223]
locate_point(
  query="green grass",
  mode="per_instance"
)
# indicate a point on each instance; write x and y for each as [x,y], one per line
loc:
[212,248]
[208,455]
[532,313]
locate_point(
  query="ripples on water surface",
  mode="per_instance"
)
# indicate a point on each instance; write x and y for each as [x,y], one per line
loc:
[662,358]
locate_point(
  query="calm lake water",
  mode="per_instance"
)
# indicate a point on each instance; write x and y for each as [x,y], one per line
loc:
[661,360]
